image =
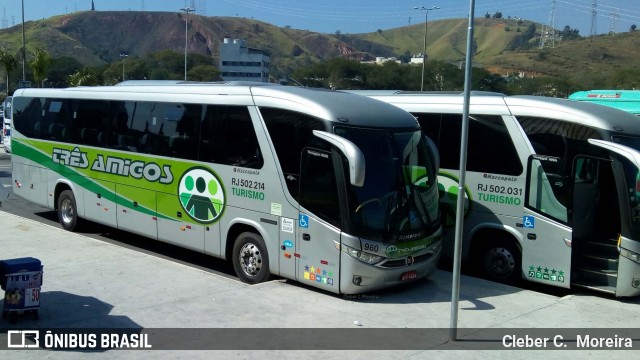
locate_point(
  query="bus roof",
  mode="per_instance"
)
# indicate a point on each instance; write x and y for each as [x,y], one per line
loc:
[627,100]
[586,113]
[348,109]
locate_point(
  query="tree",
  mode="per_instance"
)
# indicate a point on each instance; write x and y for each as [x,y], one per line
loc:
[83,77]
[497,15]
[632,28]
[40,64]
[204,73]
[568,33]
[9,63]
[487,15]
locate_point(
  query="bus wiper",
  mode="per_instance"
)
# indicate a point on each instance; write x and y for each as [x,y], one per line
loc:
[391,207]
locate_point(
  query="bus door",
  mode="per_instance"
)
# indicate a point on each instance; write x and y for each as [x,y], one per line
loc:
[317,231]
[546,234]
[620,243]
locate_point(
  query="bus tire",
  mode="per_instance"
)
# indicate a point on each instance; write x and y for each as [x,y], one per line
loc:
[250,258]
[501,261]
[68,211]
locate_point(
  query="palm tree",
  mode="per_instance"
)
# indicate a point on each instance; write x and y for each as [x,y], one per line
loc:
[40,64]
[82,77]
[9,62]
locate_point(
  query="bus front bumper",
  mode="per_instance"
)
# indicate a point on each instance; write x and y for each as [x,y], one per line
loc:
[357,277]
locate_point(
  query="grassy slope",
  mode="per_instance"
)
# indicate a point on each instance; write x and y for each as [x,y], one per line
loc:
[96,38]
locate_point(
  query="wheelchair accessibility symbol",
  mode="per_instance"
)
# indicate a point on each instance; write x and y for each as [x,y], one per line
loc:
[529,222]
[303,221]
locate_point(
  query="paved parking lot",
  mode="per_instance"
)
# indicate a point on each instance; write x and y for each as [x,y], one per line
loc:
[92,284]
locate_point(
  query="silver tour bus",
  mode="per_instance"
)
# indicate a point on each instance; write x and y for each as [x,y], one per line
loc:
[334,190]
[552,187]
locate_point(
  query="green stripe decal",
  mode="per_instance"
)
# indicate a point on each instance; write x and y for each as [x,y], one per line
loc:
[134,176]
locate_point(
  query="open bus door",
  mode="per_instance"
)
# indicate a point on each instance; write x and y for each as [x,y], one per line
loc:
[624,276]
[546,234]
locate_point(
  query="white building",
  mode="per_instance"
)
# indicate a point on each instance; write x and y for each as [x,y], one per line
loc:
[240,63]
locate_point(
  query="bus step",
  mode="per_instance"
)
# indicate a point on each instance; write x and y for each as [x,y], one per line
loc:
[598,261]
[607,249]
[596,277]
[605,289]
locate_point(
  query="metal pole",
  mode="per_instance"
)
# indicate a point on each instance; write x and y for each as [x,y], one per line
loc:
[186,37]
[455,290]
[424,53]
[24,49]
[186,41]
[123,57]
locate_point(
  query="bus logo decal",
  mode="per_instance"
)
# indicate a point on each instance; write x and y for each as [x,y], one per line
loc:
[75,158]
[201,195]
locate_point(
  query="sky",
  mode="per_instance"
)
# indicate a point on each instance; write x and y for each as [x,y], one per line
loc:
[352,16]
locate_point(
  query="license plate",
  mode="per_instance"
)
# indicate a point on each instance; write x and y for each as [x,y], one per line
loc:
[409,275]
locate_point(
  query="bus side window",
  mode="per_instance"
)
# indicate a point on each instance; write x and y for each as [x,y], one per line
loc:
[499,158]
[291,132]
[27,116]
[318,185]
[228,137]
[88,119]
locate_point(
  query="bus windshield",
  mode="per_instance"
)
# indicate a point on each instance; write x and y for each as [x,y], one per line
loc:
[399,198]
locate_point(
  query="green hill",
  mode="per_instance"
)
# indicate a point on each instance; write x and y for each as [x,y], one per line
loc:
[98,38]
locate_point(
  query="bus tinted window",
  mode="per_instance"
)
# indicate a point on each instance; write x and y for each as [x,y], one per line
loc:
[228,137]
[89,122]
[290,132]
[28,113]
[490,148]
[219,134]
[180,125]
[318,186]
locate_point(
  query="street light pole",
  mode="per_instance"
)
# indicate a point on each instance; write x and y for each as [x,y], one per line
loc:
[424,54]
[24,50]
[187,10]
[123,56]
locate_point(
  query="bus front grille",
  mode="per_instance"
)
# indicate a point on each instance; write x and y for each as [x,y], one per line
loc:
[395,263]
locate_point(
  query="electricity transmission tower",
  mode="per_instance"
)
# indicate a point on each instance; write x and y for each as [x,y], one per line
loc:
[549,31]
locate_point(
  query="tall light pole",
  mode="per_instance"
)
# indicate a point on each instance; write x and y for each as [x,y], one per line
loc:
[24,50]
[123,56]
[187,10]
[424,54]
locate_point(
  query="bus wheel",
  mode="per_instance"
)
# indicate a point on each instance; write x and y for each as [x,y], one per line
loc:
[68,211]
[501,262]
[250,258]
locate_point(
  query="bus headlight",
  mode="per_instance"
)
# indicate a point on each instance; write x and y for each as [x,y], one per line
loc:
[365,257]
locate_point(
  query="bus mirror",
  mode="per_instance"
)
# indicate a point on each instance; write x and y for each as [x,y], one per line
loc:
[350,151]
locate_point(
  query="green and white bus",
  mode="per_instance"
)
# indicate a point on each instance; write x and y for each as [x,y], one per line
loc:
[334,190]
[552,187]
[627,100]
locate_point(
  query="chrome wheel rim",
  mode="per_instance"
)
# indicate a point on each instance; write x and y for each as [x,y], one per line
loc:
[250,259]
[66,211]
